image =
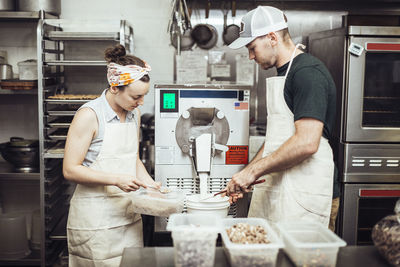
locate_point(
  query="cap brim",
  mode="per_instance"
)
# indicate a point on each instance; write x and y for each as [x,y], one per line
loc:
[240,42]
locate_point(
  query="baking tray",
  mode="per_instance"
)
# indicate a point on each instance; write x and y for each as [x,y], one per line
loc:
[67,101]
[61,112]
[60,123]
[60,134]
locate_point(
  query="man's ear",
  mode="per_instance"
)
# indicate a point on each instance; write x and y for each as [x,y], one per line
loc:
[273,36]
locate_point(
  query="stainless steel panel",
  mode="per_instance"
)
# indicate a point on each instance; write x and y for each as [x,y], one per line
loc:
[371,163]
[374,30]
[51,6]
[335,42]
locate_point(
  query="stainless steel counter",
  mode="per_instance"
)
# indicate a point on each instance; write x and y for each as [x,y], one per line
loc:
[164,256]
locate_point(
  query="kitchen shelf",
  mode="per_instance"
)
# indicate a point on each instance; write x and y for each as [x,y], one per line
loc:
[59,232]
[48,155]
[7,173]
[32,259]
[61,113]
[18,92]
[23,15]
[82,36]
[67,101]
[76,63]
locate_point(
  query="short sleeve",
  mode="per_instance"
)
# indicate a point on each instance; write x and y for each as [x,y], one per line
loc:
[310,94]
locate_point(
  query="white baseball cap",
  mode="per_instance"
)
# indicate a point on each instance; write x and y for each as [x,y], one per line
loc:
[258,22]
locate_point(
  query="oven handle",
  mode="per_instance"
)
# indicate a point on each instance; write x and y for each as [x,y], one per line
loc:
[378,193]
[382,47]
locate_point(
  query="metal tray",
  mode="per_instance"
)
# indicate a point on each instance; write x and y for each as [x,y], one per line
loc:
[61,112]
[67,101]
[59,134]
[59,35]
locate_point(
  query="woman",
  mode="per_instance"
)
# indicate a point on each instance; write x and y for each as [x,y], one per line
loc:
[101,157]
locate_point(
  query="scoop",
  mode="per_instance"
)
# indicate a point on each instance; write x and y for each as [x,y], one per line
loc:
[162,189]
[224,191]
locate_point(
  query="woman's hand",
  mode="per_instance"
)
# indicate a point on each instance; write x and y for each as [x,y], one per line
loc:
[128,183]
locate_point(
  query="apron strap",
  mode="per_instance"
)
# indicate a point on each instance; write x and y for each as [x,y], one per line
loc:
[292,57]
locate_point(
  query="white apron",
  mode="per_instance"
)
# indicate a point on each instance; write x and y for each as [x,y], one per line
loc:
[100,221]
[303,192]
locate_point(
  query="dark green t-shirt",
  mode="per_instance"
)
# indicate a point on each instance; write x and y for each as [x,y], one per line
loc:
[310,92]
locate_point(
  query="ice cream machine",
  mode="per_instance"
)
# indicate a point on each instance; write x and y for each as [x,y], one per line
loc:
[201,138]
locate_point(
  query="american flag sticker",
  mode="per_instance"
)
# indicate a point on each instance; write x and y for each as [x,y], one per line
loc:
[241,105]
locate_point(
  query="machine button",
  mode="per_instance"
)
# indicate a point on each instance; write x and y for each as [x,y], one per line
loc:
[220,115]
[186,114]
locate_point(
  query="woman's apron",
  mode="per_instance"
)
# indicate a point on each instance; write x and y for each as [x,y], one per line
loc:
[100,221]
[303,192]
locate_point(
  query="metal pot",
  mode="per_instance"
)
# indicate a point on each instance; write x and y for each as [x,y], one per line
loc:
[22,153]
[186,40]
[51,6]
[6,72]
[205,36]
[231,33]
[7,5]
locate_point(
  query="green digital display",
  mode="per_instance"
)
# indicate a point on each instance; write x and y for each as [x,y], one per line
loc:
[169,101]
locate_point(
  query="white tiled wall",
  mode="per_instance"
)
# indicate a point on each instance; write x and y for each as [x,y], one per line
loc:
[150,31]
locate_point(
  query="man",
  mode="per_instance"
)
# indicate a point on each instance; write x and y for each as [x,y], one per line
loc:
[296,156]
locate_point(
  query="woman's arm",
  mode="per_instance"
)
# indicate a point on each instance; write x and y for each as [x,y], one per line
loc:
[80,134]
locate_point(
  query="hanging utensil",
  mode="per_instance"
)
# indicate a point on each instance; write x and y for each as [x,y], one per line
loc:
[187,15]
[172,17]
[208,7]
[231,31]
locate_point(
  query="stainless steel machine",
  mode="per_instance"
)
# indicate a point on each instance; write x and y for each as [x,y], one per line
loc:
[201,138]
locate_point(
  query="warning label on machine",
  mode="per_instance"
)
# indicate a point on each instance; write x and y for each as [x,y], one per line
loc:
[237,155]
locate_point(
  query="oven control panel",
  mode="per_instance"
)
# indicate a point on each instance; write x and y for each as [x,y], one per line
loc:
[371,163]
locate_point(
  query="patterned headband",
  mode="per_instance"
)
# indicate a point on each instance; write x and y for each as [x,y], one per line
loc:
[118,75]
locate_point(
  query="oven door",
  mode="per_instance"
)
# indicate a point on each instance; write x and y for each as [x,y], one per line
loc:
[371,102]
[365,205]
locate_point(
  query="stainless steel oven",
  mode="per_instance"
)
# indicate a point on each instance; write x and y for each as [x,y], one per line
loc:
[365,63]
[371,175]
[365,205]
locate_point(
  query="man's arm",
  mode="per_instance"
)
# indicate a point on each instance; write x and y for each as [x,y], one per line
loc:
[300,146]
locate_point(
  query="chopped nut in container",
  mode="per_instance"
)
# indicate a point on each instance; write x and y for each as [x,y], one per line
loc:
[245,233]
[250,242]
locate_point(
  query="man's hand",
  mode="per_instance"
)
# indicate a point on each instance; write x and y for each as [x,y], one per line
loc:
[240,182]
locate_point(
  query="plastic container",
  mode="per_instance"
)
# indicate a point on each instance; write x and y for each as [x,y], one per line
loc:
[28,70]
[218,206]
[35,230]
[152,202]
[242,255]
[310,244]
[194,237]
[13,236]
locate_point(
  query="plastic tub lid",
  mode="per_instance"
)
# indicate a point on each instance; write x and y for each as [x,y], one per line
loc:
[193,222]
[310,235]
[29,62]
[217,202]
